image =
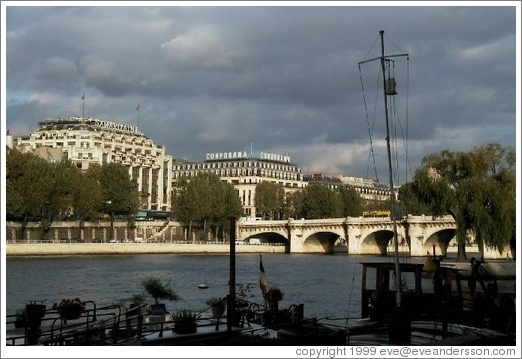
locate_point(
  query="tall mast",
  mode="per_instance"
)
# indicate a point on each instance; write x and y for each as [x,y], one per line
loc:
[386,92]
[389,90]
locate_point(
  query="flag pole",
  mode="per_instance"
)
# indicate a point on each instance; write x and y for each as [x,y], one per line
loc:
[138,109]
[263,283]
[83,105]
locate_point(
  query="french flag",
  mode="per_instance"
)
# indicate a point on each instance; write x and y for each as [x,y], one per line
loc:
[263,283]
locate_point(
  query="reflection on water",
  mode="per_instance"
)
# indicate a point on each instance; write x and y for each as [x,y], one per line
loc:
[327,285]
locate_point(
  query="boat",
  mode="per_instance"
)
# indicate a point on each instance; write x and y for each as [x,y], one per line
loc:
[202,286]
[395,310]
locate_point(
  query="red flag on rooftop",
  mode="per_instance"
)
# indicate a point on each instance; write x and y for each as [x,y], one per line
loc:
[263,283]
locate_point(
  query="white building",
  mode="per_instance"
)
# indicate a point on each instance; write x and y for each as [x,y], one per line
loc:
[369,188]
[88,140]
[245,171]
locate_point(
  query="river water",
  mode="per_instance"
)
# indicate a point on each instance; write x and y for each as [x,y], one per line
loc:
[327,285]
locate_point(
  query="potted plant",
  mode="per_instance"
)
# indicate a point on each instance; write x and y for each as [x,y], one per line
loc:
[185,322]
[137,301]
[218,306]
[21,318]
[273,295]
[158,291]
[69,308]
[34,310]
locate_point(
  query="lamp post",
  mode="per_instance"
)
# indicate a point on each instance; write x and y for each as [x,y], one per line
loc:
[111,236]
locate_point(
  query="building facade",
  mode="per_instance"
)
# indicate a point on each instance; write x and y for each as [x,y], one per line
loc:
[244,171]
[369,188]
[87,140]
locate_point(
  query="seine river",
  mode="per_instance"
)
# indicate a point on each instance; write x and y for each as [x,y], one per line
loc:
[327,285]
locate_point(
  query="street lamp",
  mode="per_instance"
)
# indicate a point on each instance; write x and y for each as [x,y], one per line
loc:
[111,237]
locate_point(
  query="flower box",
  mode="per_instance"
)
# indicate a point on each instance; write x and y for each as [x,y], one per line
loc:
[69,309]
[69,312]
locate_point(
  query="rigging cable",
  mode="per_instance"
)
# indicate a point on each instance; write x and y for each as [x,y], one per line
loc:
[354,271]
[371,153]
[405,136]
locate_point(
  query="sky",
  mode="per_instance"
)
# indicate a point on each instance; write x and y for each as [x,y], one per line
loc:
[269,78]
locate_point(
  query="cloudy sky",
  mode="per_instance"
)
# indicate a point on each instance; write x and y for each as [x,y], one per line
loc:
[271,78]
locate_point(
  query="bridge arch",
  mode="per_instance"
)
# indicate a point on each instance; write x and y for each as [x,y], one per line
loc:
[378,242]
[320,242]
[441,240]
[266,238]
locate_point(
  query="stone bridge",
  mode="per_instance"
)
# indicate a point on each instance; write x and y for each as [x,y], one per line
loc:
[358,235]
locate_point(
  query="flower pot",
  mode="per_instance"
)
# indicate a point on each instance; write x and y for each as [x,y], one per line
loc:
[70,312]
[273,304]
[35,310]
[185,328]
[158,309]
[218,310]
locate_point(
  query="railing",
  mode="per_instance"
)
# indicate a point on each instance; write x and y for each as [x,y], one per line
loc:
[114,325]
[25,241]
[95,326]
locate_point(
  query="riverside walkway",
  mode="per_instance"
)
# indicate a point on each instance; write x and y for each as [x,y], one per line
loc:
[181,247]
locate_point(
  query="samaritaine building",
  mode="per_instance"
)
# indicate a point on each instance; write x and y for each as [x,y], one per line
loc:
[245,170]
[88,140]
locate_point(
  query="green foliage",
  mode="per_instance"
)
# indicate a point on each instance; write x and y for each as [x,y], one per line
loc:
[185,322]
[14,202]
[137,300]
[207,199]
[159,291]
[410,203]
[477,188]
[88,196]
[350,200]
[30,178]
[118,191]
[293,206]
[320,202]
[244,291]
[269,199]
[41,190]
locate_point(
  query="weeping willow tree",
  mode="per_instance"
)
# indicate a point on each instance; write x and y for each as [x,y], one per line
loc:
[477,188]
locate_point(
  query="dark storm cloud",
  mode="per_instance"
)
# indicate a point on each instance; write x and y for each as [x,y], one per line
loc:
[284,79]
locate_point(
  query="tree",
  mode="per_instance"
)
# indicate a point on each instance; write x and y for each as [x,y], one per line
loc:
[14,202]
[88,196]
[30,182]
[477,188]
[119,193]
[269,199]
[293,206]
[350,201]
[207,199]
[159,291]
[208,194]
[409,202]
[229,207]
[61,184]
[320,202]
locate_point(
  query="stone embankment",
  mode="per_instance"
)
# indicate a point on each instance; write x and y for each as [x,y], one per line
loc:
[66,249]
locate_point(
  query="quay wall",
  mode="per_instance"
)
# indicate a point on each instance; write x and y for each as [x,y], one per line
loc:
[38,249]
